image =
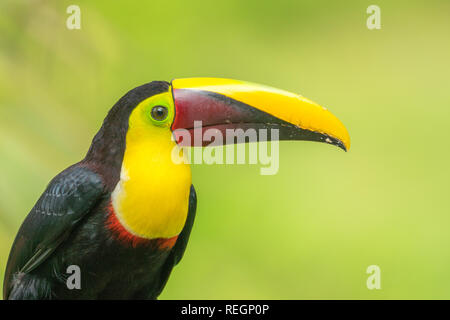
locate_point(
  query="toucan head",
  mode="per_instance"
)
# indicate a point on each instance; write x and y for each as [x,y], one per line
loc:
[223,104]
[162,110]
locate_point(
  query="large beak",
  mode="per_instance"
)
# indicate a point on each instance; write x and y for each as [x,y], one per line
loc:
[232,104]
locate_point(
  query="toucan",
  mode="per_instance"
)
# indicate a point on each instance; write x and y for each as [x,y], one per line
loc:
[122,216]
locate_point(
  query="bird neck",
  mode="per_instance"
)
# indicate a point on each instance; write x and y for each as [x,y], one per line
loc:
[151,199]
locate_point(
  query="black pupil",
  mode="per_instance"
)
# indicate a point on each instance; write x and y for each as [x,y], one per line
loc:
[159,113]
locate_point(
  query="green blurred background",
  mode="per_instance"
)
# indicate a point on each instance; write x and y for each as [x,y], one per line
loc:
[308,232]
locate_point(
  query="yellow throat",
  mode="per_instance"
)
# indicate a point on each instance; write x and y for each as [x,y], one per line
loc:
[152,197]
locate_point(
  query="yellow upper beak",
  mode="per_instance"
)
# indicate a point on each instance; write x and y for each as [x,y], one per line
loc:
[286,106]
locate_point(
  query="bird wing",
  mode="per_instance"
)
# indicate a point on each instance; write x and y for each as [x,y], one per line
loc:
[67,199]
[179,248]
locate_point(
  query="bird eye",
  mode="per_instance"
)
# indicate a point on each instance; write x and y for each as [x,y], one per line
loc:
[159,113]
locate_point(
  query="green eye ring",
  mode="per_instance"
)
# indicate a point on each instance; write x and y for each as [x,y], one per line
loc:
[159,113]
[158,110]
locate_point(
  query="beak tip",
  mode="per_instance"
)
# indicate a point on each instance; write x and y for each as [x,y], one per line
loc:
[344,140]
[344,145]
